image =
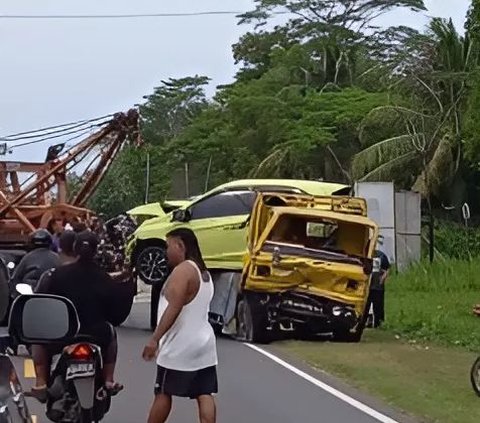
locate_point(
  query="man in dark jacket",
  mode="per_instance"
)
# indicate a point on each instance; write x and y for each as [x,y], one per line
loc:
[36,262]
[377,286]
[100,303]
[66,256]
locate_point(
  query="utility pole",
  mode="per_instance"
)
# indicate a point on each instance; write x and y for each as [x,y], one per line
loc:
[147,182]
[207,179]
[187,181]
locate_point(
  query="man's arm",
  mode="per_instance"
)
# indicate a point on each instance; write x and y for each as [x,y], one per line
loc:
[385,267]
[176,294]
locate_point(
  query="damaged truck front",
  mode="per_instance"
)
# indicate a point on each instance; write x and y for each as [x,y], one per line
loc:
[307,269]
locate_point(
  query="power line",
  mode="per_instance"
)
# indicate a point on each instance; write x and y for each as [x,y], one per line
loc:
[64,129]
[57,136]
[65,126]
[125,16]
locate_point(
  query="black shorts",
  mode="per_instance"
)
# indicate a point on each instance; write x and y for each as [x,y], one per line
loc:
[186,384]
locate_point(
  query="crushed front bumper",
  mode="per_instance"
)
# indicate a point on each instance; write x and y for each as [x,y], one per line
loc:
[316,313]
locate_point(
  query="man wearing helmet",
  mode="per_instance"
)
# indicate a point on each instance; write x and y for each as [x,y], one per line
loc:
[37,261]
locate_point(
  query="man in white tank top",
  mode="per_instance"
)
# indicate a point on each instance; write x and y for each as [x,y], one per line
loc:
[184,341]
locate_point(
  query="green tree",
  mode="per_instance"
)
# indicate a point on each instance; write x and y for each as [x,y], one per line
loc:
[336,33]
[472,126]
[172,107]
[123,187]
[427,139]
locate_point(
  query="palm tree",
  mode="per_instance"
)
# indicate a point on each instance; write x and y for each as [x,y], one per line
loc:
[428,140]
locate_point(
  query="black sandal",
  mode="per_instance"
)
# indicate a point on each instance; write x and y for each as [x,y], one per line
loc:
[114,388]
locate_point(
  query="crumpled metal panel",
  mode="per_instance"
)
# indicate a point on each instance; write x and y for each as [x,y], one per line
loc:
[225,297]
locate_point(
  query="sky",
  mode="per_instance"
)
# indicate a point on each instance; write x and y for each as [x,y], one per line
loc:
[60,71]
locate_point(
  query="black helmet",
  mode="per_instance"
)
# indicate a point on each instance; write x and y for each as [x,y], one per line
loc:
[86,244]
[41,238]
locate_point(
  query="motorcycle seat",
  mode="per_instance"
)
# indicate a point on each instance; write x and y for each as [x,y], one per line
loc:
[85,338]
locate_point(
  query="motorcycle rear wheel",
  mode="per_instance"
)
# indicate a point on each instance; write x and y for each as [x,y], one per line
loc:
[475,376]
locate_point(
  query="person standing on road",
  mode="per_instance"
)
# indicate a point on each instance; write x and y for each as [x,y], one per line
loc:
[377,286]
[55,227]
[184,341]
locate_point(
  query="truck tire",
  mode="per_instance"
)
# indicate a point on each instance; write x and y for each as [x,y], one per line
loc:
[346,336]
[252,321]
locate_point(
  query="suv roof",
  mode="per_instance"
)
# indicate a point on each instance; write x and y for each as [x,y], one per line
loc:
[308,187]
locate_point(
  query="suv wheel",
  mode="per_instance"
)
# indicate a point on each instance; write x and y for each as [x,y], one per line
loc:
[151,265]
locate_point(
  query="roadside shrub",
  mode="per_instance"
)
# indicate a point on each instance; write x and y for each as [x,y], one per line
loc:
[434,302]
[457,241]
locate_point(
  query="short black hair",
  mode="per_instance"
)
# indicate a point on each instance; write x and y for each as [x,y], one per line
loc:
[66,242]
[192,249]
[86,244]
[51,222]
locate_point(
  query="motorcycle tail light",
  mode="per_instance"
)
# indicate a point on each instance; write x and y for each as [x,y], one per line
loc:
[82,352]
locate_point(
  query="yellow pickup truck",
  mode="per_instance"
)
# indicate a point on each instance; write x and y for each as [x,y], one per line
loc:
[307,268]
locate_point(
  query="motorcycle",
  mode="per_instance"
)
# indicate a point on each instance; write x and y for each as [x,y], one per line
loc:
[75,389]
[13,407]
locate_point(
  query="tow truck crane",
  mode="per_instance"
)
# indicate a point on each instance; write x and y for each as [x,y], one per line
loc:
[31,194]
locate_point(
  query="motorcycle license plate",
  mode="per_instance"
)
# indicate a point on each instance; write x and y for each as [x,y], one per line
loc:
[78,370]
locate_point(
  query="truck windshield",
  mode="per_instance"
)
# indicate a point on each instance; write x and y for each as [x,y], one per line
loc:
[320,238]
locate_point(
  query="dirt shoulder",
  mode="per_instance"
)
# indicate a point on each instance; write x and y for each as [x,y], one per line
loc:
[427,380]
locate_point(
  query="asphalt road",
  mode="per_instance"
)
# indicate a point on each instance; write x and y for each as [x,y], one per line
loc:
[253,388]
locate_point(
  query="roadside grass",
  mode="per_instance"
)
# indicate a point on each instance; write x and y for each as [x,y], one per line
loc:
[420,361]
[433,302]
[430,382]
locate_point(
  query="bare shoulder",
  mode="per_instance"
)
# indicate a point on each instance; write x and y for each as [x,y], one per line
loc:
[185,270]
[179,283]
[205,275]
[181,276]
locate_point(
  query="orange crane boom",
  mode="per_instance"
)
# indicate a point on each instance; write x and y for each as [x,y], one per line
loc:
[44,194]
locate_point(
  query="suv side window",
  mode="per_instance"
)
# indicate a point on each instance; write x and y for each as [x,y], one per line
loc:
[232,203]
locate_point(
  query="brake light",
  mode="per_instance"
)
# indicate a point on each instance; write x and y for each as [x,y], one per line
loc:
[82,352]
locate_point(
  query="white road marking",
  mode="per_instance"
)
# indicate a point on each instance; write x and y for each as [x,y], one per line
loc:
[141,298]
[28,369]
[327,388]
